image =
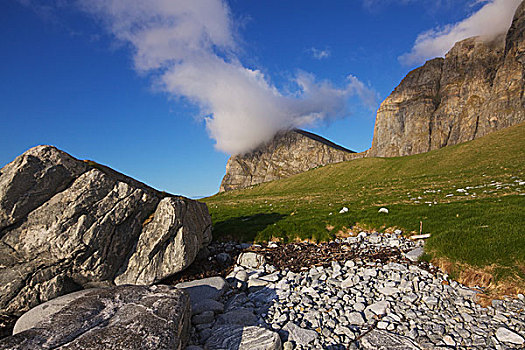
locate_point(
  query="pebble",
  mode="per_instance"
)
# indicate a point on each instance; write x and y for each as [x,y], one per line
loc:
[415,254]
[507,336]
[300,336]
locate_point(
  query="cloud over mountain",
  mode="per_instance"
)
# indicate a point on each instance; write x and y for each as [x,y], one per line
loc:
[192,50]
[492,19]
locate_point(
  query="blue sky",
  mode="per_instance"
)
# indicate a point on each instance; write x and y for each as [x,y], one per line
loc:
[72,76]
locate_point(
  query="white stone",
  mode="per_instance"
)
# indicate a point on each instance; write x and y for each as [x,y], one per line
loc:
[343,210]
[370,272]
[382,325]
[393,242]
[300,335]
[447,339]
[273,277]
[505,335]
[359,307]
[241,276]
[383,210]
[256,282]
[378,308]
[355,318]
[415,254]
[251,260]
[347,283]
[388,290]
[349,263]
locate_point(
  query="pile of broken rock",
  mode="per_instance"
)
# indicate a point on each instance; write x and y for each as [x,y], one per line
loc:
[356,304]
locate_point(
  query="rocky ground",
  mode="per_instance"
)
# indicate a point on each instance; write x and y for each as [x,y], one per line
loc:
[365,292]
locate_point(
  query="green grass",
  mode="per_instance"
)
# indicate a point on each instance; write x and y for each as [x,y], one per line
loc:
[485,227]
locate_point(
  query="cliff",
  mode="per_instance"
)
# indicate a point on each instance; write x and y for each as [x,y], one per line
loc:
[288,153]
[476,89]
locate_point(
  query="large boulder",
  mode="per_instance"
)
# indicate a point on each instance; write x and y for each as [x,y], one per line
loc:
[169,243]
[67,224]
[123,317]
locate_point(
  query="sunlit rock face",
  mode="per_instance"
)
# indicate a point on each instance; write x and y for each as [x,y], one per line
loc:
[476,89]
[288,153]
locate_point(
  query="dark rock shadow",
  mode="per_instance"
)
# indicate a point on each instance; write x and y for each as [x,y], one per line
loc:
[7,323]
[244,228]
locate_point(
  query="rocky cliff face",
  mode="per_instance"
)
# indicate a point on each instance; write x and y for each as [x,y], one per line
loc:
[66,224]
[288,153]
[476,89]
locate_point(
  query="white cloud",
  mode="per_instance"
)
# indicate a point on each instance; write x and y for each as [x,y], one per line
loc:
[491,20]
[319,54]
[191,49]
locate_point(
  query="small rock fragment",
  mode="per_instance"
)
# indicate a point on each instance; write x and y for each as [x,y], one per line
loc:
[505,335]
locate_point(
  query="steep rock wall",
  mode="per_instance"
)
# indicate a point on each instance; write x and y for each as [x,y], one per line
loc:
[476,89]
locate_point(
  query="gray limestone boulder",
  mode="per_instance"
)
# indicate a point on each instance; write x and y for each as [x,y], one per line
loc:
[300,335]
[415,254]
[44,311]
[505,335]
[123,317]
[67,224]
[234,337]
[206,305]
[32,179]
[241,316]
[169,243]
[383,340]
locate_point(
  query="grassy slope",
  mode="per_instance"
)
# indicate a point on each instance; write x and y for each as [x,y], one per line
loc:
[485,227]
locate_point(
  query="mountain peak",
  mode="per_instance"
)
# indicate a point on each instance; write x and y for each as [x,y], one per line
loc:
[288,153]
